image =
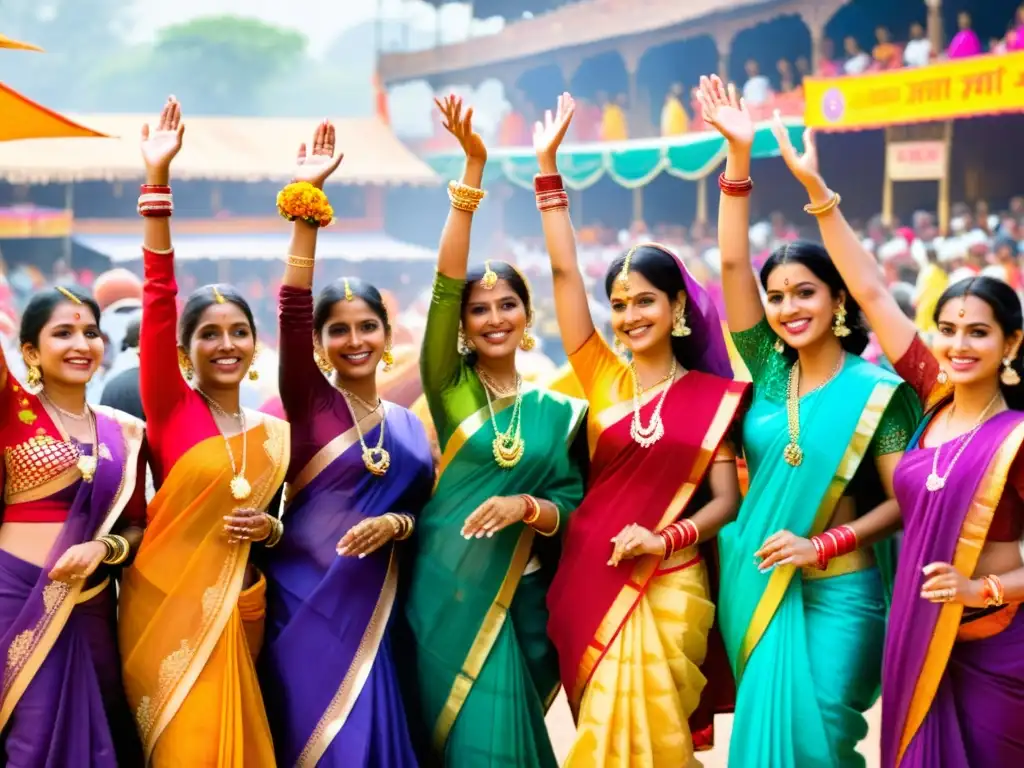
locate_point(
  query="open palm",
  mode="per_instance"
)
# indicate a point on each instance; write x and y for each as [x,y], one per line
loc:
[724,110]
[548,135]
[803,166]
[160,145]
[460,125]
[316,166]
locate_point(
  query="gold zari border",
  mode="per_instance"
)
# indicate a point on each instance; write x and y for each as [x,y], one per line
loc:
[326,455]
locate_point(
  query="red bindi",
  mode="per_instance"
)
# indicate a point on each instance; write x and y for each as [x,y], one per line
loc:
[78,316]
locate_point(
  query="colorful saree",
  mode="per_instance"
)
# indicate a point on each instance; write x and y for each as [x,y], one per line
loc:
[62,702]
[478,669]
[189,631]
[952,697]
[806,647]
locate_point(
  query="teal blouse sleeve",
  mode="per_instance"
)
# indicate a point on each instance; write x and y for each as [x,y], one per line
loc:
[898,423]
[769,370]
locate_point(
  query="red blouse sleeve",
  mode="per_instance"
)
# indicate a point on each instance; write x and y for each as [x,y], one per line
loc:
[160,382]
[134,515]
[1008,520]
[919,368]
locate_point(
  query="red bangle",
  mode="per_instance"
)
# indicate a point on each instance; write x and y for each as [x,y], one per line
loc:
[533,509]
[734,188]
[666,537]
[547,182]
[819,549]
[155,189]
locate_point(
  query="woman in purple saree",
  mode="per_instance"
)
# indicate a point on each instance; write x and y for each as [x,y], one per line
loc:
[953,668]
[360,467]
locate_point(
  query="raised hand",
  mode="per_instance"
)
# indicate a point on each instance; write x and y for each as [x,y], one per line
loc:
[317,166]
[804,167]
[460,125]
[160,145]
[548,135]
[722,108]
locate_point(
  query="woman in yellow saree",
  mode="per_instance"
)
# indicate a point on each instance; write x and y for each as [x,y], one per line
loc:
[191,613]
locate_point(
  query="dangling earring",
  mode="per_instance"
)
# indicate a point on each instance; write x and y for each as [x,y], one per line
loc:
[528,342]
[33,380]
[780,348]
[679,327]
[321,362]
[619,348]
[1009,376]
[942,377]
[388,357]
[254,374]
[465,345]
[185,365]
[840,328]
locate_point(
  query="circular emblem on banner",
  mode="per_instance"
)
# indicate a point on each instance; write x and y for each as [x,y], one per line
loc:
[833,105]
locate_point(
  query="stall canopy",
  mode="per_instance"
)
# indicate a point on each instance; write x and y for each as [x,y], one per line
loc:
[630,164]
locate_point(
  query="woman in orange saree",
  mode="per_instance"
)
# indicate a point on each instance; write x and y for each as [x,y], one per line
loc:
[192,608]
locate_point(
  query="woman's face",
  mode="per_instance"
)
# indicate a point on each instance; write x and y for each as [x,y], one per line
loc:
[970,345]
[222,346]
[353,339]
[642,316]
[494,320]
[70,346]
[800,308]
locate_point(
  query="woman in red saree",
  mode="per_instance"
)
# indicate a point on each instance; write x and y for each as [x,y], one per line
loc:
[630,606]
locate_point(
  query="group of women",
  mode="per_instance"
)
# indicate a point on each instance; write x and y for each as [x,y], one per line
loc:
[325,592]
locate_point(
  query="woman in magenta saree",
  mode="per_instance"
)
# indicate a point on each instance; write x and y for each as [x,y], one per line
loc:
[326,669]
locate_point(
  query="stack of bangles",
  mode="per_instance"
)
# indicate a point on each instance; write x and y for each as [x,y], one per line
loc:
[532,515]
[276,532]
[824,208]
[734,188]
[834,543]
[155,200]
[551,195]
[992,591]
[402,525]
[679,536]
[117,549]
[464,197]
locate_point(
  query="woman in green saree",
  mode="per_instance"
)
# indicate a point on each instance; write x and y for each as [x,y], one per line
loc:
[480,671]
[807,566]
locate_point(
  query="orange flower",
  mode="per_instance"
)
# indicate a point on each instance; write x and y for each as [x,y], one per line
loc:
[301,200]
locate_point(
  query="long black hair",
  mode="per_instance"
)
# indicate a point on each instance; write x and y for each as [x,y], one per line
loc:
[816,259]
[40,309]
[203,298]
[504,271]
[662,271]
[1006,309]
[335,292]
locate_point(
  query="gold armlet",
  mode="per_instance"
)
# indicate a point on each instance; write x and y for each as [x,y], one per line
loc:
[302,262]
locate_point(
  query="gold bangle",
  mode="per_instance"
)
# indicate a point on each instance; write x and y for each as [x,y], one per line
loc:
[276,533]
[553,531]
[826,207]
[459,189]
[409,526]
[302,262]
[532,514]
[402,523]
[117,549]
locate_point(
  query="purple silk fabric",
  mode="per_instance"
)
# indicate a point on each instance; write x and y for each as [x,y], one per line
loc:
[986,674]
[319,604]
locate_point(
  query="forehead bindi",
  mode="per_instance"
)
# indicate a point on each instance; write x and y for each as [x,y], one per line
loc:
[967,311]
[76,315]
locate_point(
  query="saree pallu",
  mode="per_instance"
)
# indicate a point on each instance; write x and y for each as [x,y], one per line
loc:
[478,670]
[949,701]
[806,654]
[62,703]
[632,639]
[326,669]
[188,630]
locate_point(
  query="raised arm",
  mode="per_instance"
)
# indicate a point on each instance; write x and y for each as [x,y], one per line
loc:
[571,306]
[858,268]
[453,251]
[728,114]
[160,383]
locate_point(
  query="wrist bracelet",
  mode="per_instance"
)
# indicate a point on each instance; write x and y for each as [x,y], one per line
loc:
[532,514]
[827,207]
[276,532]
[302,262]
[117,549]
[735,187]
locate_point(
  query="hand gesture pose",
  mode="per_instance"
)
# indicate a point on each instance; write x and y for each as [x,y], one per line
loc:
[804,167]
[723,109]
[316,167]
[162,144]
[79,562]
[494,514]
[247,525]
[945,584]
[635,541]
[548,135]
[785,548]
[460,125]
[366,537]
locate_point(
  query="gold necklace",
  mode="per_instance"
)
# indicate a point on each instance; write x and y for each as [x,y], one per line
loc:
[507,446]
[647,436]
[240,488]
[86,462]
[353,396]
[376,459]
[936,482]
[496,388]
[793,453]
[64,412]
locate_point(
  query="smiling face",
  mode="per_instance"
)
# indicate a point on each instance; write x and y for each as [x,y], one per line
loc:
[70,346]
[642,316]
[800,307]
[353,339]
[494,320]
[970,344]
[222,346]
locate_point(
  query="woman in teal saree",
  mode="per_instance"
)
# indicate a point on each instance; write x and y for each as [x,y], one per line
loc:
[807,566]
[479,670]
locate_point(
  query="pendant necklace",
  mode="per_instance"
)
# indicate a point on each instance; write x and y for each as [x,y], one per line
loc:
[793,453]
[376,459]
[86,462]
[647,436]
[935,481]
[507,446]
[240,488]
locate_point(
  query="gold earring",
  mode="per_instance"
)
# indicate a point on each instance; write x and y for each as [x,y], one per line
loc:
[619,347]
[942,377]
[388,358]
[528,342]
[840,328]
[465,345]
[779,346]
[254,374]
[185,365]
[321,362]
[33,380]
[679,327]
[1009,376]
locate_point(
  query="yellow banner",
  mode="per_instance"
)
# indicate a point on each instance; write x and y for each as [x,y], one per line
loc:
[982,85]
